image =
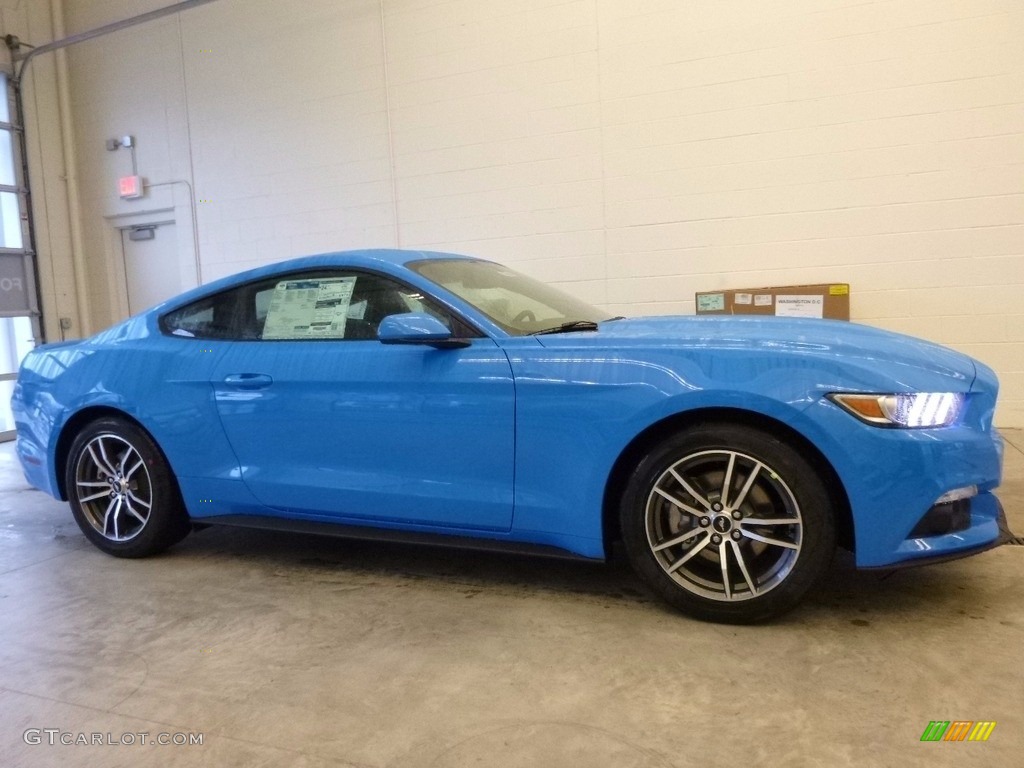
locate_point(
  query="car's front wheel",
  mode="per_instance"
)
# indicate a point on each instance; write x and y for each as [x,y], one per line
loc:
[728,523]
[122,492]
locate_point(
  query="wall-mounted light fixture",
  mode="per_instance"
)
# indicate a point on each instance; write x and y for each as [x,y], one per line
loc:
[123,141]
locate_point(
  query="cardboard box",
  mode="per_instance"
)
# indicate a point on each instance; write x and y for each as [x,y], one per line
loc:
[829,300]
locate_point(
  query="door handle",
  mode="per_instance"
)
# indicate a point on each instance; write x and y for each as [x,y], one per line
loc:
[248,380]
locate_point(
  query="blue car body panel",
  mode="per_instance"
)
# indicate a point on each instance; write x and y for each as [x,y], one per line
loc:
[510,438]
[340,417]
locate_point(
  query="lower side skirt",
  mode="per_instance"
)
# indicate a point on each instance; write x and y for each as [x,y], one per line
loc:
[453,541]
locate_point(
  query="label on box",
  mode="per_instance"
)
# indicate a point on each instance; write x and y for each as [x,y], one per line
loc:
[711,302]
[800,306]
[763,300]
[839,290]
[742,298]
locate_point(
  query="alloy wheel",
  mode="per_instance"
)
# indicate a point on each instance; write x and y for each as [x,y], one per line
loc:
[723,525]
[113,487]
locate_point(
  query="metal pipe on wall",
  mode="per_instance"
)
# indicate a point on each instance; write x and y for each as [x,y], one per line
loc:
[192,215]
[70,172]
[106,29]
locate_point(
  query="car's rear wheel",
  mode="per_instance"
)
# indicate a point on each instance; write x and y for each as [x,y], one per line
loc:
[728,523]
[122,492]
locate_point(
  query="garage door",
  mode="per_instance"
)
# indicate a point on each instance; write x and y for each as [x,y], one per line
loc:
[19,312]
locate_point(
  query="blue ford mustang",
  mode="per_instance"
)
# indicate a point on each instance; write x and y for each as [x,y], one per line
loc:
[436,397]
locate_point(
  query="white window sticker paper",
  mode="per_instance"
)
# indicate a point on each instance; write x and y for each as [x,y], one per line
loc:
[799,306]
[711,302]
[309,309]
[763,300]
[742,298]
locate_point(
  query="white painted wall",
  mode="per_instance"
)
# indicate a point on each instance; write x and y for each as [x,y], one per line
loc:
[635,152]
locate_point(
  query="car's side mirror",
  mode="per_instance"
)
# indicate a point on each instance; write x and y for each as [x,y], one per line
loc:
[417,328]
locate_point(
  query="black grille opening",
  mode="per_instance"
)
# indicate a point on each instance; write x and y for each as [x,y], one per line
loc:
[945,518]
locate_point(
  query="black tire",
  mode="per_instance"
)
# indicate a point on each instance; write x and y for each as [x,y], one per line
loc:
[678,546]
[122,492]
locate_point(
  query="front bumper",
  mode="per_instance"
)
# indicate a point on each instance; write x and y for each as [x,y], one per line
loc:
[988,529]
[894,477]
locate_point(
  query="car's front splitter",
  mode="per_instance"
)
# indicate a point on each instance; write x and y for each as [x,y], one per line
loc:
[988,530]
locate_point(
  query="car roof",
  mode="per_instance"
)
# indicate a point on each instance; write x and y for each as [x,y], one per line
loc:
[397,256]
[366,257]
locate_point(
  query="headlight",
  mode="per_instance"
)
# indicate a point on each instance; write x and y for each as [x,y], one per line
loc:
[921,409]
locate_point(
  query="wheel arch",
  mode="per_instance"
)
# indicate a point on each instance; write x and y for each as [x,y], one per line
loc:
[615,485]
[73,426]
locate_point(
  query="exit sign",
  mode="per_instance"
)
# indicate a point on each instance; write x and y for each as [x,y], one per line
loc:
[129,187]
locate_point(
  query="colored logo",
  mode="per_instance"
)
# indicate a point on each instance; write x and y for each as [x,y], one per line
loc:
[958,730]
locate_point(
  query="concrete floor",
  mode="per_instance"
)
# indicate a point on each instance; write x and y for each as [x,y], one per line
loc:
[301,651]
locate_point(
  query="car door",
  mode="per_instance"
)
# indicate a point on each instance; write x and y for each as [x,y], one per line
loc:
[328,422]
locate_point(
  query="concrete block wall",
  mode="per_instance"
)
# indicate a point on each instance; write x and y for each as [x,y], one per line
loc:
[633,152]
[140,93]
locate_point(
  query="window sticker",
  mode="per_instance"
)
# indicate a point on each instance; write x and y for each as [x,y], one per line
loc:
[711,302]
[309,309]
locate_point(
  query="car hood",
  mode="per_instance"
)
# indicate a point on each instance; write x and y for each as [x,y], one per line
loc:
[848,344]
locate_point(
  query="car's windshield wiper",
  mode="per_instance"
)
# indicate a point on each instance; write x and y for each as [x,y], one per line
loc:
[572,325]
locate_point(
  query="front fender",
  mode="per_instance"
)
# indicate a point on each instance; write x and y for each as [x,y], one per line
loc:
[576,412]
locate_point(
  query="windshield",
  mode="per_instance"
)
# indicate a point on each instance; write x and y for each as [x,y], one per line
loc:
[518,304]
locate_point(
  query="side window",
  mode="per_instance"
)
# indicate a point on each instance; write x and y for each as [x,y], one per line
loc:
[324,305]
[209,318]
